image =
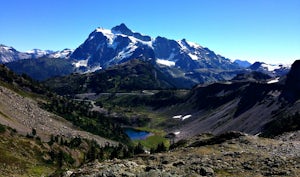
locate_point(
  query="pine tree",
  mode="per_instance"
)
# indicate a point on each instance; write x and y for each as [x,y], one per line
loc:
[60,159]
[33,132]
[139,149]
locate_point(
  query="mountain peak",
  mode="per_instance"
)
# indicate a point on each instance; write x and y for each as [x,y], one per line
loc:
[6,47]
[123,29]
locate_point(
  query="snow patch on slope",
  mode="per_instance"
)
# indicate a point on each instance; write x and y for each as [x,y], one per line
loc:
[193,56]
[80,63]
[136,41]
[93,69]
[165,62]
[186,117]
[270,67]
[107,33]
[195,45]
[273,81]
[61,54]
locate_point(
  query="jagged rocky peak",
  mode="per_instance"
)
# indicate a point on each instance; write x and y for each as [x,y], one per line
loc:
[4,47]
[108,47]
[122,29]
[189,45]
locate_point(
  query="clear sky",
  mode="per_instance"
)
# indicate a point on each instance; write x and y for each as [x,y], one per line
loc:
[264,30]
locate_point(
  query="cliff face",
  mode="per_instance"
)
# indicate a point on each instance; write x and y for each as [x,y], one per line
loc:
[292,85]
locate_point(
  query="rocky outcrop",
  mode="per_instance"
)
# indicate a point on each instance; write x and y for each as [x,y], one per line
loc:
[292,85]
[238,155]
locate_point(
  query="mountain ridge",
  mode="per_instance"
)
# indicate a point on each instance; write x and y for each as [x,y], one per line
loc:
[182,60]
[10,54]
[105,46]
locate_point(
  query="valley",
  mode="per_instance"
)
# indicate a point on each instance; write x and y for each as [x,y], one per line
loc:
[127,104]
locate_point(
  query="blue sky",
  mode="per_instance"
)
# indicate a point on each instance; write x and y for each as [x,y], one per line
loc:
[265,30]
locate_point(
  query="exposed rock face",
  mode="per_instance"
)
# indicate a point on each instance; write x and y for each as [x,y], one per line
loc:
[292,85]
[239,155]
[242,63]
[107,47]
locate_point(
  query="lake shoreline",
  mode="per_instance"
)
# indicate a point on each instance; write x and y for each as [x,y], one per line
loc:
[136,134]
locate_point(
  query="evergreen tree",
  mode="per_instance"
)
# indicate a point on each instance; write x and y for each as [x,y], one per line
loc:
[60,159]
[92,153]
[139,149]
[33,132]
[161,147]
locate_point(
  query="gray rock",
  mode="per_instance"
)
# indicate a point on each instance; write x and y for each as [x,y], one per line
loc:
[206,171]
[127,174]
[178,163]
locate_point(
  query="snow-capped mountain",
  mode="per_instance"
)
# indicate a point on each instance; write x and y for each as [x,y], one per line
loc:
[9,54]
[274,70]
[38,53]
[61,54]
[105,47]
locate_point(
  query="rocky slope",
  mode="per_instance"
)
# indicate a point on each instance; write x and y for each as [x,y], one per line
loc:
[23,114]
[229,154]
[20,108]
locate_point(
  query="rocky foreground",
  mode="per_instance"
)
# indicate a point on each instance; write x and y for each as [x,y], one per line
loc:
[230,154]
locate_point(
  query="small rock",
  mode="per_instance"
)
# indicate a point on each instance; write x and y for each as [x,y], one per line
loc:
[178,163]
[206,171]
[165,162]
[68,173]
[127,174]
[148,168]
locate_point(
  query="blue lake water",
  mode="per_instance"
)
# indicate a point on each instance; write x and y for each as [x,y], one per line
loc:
[136,134]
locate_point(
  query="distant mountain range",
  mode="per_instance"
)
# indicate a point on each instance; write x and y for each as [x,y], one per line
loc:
[242,63]
[182,60]
[9,54]
[274,70]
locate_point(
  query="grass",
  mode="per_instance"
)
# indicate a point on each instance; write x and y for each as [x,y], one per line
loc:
[158,121]
[40,170]
[21,157]
[8,158]
[20,92]
[4,115]
[153,141]
[2,128]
